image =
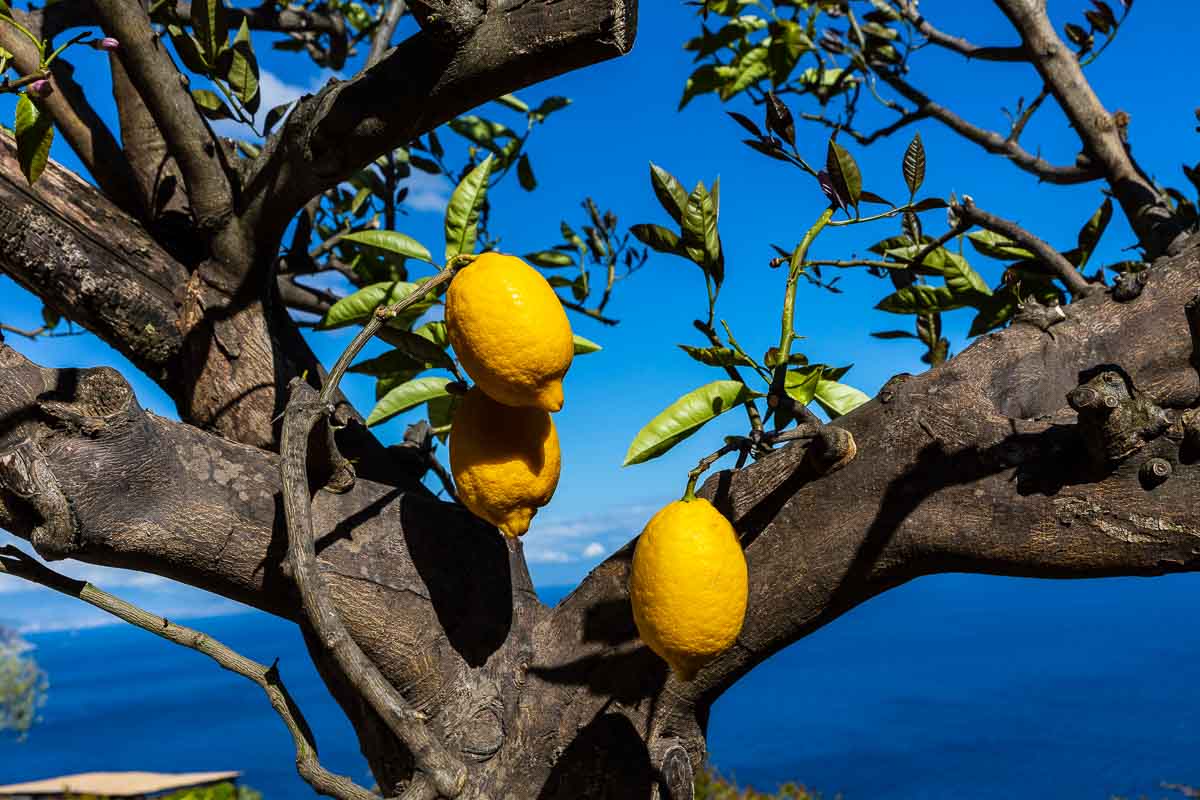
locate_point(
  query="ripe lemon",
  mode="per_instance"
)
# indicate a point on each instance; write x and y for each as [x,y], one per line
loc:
[505,460]
[510,331]
[689,584]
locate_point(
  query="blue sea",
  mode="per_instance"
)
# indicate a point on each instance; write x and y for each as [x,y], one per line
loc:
[950,687]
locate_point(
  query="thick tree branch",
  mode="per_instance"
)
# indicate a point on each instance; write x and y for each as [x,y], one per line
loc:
[419,85]
[1101,136]
[990,141]
[67,14]
[17,564]
[191,141]
[952,474]
[76,120]
[64,241]
[443,772]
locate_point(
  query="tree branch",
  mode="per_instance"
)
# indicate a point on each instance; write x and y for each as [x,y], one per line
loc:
[908,10]
[443,771]
[1103,143]
[192,142]
[953,474]
[969,212]
[990,141]
[80,125]
[17,564]
[419,85]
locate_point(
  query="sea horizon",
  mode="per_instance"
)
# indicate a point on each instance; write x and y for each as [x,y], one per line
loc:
[1077,689]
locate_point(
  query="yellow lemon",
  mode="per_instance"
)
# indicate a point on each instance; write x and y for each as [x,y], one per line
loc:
[505,460]
[510,331]
[689,584]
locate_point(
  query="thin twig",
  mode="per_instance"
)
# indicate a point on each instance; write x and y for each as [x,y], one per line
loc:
[19,564]
[588,312]
[969,212]
[438,771]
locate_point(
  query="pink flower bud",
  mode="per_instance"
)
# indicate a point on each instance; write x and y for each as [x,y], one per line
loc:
[107,43]
[40,88]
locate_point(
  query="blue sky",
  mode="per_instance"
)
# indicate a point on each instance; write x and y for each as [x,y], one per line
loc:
[624,115]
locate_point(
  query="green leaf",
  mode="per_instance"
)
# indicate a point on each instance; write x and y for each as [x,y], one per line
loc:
[893,335]
[994,311]
[914,164]
[995,245]
[525,174]
[684,417]
[242,72]
[836,399]
[700,239]
[420,350]
[919,299]
[549,106]
[750,68]
[436,332]
[669,191]
[584,346]
[405,396]
[844,173]
[513,102]
[359,307]
[801,384]
[34,130]
[391,241]
[716,356]
[961,278]
[211,25]
[441,411]
[708,78]
[391,363]
[273,117]
[549,259]
[188,49]
[210,105]
[788,43]
[656,237]
[1090,233]
[462,213]
[50,317]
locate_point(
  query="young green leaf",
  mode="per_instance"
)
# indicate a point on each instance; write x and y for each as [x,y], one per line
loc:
[836,399]
[513,102]
[914,165]
[525,174]
[700,239]
[716,356]
[462,213]
[656,237]
[584,346]
[801,384]
[436,332]
[34,131]
[844,172]
[210,105]
[669,191]
[1090,233]
[995,245]
[393,242]
[210,23]
[684,417]
[549,259]
[242,72]
[405,396]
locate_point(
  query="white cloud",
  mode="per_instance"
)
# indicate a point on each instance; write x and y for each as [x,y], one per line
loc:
[593,550]
[545,555]
[273,91]
[427,192]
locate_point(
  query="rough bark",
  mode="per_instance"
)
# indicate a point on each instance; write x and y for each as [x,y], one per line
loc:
[979,465]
